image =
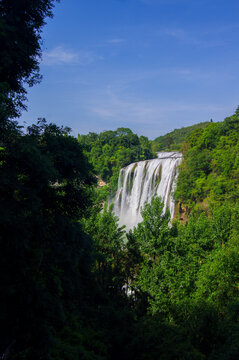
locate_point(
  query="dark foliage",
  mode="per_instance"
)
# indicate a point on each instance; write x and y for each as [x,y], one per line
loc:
[44,189]
[21,23]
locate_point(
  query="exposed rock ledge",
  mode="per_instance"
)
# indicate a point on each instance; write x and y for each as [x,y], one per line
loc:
[101,182]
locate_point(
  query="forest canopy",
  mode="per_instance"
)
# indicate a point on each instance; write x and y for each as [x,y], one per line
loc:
[209,174]
[109,151]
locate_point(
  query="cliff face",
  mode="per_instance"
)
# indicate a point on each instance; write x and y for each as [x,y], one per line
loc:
[101,182]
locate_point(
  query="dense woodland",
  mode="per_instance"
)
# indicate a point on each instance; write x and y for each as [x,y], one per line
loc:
[109,151]
[209,174]
[73,284]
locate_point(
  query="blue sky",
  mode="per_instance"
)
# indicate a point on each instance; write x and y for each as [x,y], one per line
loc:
[150,65]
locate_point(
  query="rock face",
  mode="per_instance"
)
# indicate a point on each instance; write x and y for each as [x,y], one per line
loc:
[101,182]
[139,182]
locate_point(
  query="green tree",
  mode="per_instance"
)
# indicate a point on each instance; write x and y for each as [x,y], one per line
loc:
[108,250]
[153,231]
[109,151]
[45,186]
[21,24]
[209,172]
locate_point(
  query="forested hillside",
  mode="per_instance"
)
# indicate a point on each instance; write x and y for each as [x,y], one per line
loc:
[173,140]
[109,151]
[209,174]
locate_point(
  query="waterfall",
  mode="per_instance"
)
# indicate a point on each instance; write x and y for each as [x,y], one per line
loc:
[140,181]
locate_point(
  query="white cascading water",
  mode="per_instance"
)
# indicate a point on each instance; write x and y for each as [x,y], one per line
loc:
[139,182]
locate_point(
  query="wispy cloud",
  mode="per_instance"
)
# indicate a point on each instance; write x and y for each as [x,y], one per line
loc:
[112,106]
[194,75]
[175,33]
[60,55]
[159,2]
[137,78]
[191,36]
[116,41]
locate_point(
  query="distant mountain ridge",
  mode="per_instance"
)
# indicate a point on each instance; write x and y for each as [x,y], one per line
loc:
[173,140]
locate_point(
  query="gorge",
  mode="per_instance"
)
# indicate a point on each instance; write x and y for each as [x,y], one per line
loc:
[139,182]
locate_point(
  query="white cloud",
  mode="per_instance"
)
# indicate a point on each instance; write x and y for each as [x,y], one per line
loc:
[60,55]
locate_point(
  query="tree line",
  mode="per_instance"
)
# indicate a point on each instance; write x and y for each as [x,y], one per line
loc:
[110,150]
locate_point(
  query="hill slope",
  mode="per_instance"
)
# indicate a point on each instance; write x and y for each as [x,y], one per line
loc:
[209,173]
[174,139]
